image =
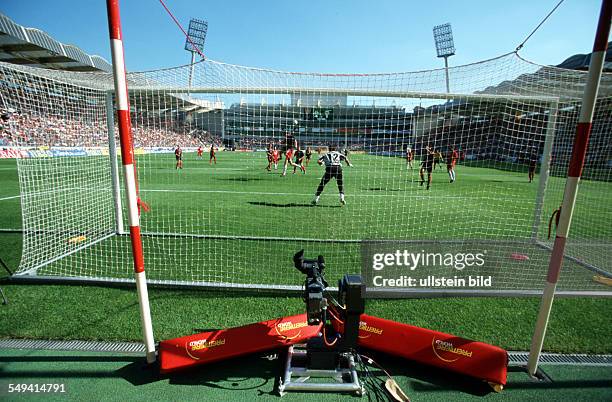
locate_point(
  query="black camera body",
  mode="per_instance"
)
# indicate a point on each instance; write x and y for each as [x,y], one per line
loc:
[351,294]
[321,352]
[314,285]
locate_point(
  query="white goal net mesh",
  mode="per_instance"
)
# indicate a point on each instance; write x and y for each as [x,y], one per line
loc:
[434,173]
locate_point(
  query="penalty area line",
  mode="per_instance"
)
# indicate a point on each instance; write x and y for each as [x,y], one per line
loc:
[205,169]
[299,194]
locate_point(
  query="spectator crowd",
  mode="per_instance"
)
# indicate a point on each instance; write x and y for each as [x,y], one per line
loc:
[22,129]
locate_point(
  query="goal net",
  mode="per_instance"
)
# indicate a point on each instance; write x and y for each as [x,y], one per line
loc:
[442,179]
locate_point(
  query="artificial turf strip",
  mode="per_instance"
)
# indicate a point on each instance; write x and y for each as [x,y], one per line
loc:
[96,376]
[99,313]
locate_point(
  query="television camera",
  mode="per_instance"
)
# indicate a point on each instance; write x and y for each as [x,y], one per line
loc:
[324,342]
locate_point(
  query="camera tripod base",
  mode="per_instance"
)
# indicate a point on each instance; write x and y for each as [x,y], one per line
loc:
[297,376]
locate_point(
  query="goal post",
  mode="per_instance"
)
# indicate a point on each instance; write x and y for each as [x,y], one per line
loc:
[129,172]
[574,173]
[114,168]
[544,168]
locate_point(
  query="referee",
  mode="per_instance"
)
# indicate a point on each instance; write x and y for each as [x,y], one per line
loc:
[333,169]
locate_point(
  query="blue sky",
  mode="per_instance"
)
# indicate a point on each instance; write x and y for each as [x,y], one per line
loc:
[318,35]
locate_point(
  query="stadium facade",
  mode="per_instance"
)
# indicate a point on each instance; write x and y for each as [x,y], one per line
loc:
[373,125]
[352,126]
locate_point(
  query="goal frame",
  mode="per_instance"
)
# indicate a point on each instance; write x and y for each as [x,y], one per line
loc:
[550,103]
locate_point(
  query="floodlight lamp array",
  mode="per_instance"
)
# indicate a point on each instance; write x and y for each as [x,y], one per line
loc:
[197,35]
[443,36]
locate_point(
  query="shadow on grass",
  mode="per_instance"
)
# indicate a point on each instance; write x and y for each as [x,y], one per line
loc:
[427,378]
[239,179]
[291,205]
[545,381]
[38,362]
[75,359]
[139,372]
[431,379]
[256,372]
[382,189]
[258,375]
[253,372]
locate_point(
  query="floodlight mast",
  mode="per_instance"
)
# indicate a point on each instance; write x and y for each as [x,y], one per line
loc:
[191,68]
[445,46]
[194,43]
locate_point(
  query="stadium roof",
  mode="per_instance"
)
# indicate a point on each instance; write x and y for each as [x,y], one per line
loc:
[33,47]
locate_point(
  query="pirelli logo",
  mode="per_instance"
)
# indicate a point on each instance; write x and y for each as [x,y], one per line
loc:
[448,352]
[288,326]
[363,326]
[205,344]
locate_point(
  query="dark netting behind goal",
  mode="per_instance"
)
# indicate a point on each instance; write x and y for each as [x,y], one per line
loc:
[237,222]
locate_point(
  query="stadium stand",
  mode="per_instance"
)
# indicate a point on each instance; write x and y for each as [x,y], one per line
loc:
[33,47]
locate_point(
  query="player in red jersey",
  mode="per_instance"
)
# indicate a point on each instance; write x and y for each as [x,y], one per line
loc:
[213,154]
[178,154]
[200,151]
[409,157]
[273,155]
[290,144]
[276,156]
[451,161]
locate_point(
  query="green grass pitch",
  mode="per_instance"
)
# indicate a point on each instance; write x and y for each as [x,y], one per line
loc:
[239,198]
[236,223]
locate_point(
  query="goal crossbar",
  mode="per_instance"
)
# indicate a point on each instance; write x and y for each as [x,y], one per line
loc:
[335,91]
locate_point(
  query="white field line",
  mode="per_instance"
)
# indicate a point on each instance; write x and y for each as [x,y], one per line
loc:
[394,194]
[56,190]
[205,169]
[59,190]
[212,169]
[312,194]
[261,193]
[400,174]
[506,174]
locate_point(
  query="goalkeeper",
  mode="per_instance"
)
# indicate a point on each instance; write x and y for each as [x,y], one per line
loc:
[427,165]
[333,169]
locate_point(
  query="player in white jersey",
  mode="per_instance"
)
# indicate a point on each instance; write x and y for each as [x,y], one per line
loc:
[333,169]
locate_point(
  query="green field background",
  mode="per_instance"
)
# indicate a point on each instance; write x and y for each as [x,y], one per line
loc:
[384,199]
